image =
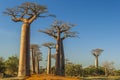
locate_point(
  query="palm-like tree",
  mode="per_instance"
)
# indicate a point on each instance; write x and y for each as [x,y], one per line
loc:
[49,45]
[26,13]
[96,53]
[59,31]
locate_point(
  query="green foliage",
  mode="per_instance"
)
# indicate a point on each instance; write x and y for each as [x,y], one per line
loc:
[12,65]
[2,65]
[117,72]
[73,70]
[93,71]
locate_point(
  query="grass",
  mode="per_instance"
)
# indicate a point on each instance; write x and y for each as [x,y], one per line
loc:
[49,77]
[52,77]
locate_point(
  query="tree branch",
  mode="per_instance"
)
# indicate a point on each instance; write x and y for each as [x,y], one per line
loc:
[50,33]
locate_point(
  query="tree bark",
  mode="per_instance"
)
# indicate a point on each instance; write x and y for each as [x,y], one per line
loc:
[62,59]
[24,61]
[49,62]
[36,64]
[38,67]
[33,61]
[57,64]
[96,61]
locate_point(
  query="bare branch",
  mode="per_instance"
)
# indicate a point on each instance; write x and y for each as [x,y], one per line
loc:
[97,52]
[50,45]
[49,32]
[62,28]
[28,10]
[69,34]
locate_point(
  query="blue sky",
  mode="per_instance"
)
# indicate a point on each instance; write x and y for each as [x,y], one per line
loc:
[97,21]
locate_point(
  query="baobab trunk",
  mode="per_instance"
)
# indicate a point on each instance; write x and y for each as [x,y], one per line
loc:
[24,60]
[36,65]
[33,61]
[62,59]
[49,62]
[96,61]
[57,64]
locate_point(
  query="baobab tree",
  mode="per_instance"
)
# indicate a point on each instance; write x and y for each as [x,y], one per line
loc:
[57,31]
[25,13]
[49,45]
[35,58]
[67,34]
[96,53]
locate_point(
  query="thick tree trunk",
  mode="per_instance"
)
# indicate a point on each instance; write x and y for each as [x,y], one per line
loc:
[57,64]
[62,59]
[38,67]
[36,64]
[33,61]
[49,62]
[24,60]
[96,61]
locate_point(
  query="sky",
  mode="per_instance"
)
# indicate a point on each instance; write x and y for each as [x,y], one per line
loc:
[97,22]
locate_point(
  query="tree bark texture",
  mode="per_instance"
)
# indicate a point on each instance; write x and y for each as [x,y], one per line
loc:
[49,62]
[96,61]
[62,59]
[24,60]
[57,64]
[33,61]
[36,65]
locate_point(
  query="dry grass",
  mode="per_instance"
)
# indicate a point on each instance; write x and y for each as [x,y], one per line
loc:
[49,77]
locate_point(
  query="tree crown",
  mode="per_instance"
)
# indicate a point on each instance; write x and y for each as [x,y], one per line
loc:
[26,11]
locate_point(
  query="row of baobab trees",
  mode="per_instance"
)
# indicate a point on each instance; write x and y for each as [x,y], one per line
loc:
[27,13]
[36,57]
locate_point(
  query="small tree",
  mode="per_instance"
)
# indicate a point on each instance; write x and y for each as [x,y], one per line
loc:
[73,70]
[12,65]
[108,66]
[26,13]
[2,65]
[96,53]
[93,71]
[49,45]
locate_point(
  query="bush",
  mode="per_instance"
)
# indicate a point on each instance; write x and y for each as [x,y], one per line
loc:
[73,70]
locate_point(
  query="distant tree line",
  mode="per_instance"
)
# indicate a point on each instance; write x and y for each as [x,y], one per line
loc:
[9,67]
[77,70]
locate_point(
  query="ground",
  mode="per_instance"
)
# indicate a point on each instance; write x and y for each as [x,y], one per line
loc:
[49,77]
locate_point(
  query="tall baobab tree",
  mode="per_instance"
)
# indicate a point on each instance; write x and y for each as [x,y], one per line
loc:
[67,34]
[25,13]
[35,54]
[49,45]
[96,53]
[57,31]
[38,58]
